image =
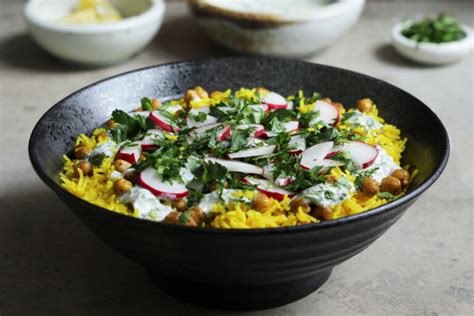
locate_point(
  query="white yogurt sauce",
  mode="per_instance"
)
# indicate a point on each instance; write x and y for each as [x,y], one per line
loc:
[208,200]
[329,194]
[108,149]
[364,120]
[384,164]
[146,205]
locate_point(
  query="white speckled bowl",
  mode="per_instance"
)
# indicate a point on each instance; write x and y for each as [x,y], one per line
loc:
[431,53]
[285,34]
[94,44]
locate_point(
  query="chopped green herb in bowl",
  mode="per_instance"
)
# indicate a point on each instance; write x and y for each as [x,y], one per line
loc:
[443,29]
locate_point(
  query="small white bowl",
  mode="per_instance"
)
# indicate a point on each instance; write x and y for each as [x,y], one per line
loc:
[258,27]
[432,53]
[94,44]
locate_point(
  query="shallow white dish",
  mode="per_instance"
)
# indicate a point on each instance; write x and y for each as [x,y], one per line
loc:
[94,44]
[431,53]
[276,27]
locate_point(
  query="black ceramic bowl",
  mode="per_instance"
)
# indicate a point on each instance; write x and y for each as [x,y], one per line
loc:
[238,269]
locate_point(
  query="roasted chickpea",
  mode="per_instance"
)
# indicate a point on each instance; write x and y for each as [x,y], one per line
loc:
[261,202]
[85,166]
[122,186]
[201,92]
[121,165]
[295,204]
[331,178]
[365,105]
[82,152]
[171,218]
[327,100]
[321,212]
[142,157]
[338,106]
[391,184]
[403,176]
[179,204]
[191,95]
[370,186]
[155,103]
[197,215]
[111,124]
[262,91]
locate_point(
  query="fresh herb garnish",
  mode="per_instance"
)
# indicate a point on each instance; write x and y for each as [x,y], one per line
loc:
[184,217]
[443,29]
[146,104]
[97,159]
[386,195]
[198,117]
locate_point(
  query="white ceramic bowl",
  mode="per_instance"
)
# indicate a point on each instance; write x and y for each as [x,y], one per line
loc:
[293,31]
[94,44]
[431,53]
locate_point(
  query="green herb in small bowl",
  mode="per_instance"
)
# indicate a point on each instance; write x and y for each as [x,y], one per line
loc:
[443,29]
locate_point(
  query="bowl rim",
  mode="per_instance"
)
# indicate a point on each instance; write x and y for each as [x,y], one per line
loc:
[465,43]
[329,10]
[412,195]
[156,9]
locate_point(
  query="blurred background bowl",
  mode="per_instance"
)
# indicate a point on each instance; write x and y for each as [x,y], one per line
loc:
[94,44]
[283,28]
[432,53]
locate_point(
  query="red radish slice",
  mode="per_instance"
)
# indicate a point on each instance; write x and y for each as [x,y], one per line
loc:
[150,180]
[268,188]
[327,113]
[297,144]
[275,101]
[290,105]
[130,153]
[290,127]
[260,107]
[282,181]
[148,141]
[174,108]
[161,121]
[362,154]
[314,154]
[203,129]
[252,152]
[236,166]
[192,123]
[329,163]
[224,133]
[258,129]
[268,171]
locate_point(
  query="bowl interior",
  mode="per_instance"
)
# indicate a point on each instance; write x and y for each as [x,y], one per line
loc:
[427,148]
[47,11]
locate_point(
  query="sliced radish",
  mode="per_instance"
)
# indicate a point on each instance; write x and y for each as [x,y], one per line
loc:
[275,101]
[260,107]
[297,144]
[268,171]
[268,188]
[150,180]
[329,163]
[203,129]
[290,127]
[130,153]
[236,166]
[314,154]
[252,152]
[290,105]
[258,129]
[224,133]
[148,141]
[362,154]
[161,121]
[327,113]
[282,181]
[192,123]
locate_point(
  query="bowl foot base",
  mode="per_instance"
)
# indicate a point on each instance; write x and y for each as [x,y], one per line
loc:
[239,297]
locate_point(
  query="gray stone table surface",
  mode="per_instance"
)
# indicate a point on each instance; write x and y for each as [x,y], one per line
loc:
[50,263]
